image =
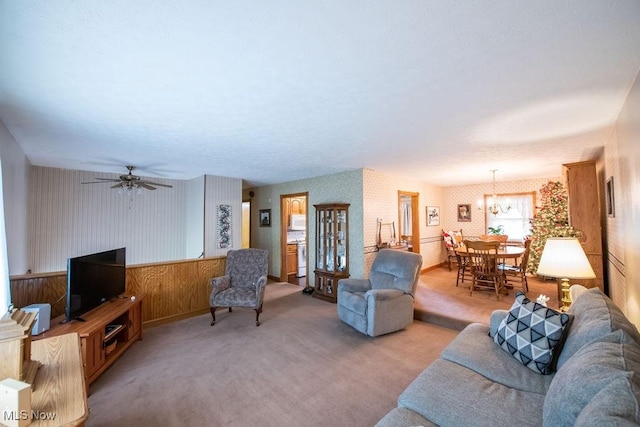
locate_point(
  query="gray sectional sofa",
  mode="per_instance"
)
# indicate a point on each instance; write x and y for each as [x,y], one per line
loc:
[594,380]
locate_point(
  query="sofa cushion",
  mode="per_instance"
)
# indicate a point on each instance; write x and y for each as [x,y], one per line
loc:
[473,348]
[494,321]
[531,333]
[595,316]
[605,410]
[449,394]
[590,370]
[403,417]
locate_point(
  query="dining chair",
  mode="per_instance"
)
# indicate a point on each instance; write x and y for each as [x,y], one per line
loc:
[452,240]
[517,274]
[461,260]
[483,263]
[449,247]
[502,238]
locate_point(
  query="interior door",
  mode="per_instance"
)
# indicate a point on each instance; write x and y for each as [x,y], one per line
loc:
[409,218]
[291,204]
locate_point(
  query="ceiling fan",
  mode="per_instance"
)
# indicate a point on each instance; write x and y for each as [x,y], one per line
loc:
[129,182]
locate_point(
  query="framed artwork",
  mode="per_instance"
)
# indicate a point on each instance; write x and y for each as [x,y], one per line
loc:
[464,213]
[433,215]
[265,217]
[611,205]
[225,240]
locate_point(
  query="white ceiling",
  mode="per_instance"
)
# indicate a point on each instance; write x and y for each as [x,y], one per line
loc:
[275,91]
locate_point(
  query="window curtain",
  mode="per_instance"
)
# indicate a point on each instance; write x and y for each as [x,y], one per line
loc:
[407,219]
[516,223]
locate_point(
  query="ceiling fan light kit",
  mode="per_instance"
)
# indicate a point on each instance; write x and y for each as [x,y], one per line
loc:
[130,184]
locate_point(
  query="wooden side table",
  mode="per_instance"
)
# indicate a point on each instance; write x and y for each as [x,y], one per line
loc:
[59,396]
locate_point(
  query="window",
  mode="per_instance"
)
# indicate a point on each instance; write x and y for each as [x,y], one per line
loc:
[5,288]
[516,222]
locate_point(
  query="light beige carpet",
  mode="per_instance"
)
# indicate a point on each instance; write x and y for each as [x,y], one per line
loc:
[439,301]
[301,367]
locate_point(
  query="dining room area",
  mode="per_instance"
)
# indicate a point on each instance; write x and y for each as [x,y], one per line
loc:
[439,301]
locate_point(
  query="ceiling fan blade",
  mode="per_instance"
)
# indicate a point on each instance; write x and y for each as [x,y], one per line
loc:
[155,183]
[129,182]
[98,182]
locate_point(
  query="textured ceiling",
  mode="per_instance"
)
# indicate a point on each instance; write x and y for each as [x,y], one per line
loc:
[436,91]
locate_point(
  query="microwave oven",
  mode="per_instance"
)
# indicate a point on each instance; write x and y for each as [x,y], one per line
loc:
[297,222]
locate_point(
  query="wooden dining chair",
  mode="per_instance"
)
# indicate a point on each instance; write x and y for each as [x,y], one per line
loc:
[517,274]
[461,260]
[502,238]
[452,240]
[449,247]
[483,263]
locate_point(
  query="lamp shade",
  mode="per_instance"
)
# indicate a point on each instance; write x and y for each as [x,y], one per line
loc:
[564,257]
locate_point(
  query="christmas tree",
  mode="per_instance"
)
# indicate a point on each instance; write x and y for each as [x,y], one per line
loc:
[552,220]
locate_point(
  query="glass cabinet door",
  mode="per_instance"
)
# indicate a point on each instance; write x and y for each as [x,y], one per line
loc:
[341,239]
[332,249]
[332,239]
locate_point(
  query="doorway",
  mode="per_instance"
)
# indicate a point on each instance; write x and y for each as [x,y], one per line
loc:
[409,219]
[294,238]
[246,224]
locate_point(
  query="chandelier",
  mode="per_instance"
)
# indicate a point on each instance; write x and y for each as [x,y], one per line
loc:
[493,206]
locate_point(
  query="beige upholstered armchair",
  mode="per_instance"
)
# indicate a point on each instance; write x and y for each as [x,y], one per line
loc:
[243,282]
[383,303]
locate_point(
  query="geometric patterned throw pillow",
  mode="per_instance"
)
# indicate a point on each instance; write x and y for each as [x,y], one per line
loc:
[531,332]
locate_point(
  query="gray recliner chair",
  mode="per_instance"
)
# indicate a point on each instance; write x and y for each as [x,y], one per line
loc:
[245,276]
[383,303]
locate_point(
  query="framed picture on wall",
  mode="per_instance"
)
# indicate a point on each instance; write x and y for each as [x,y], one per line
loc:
[433,215]
[265,217]
[611,205]
[464,213]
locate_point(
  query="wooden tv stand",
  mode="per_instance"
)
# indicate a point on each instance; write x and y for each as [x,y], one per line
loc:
[106,333]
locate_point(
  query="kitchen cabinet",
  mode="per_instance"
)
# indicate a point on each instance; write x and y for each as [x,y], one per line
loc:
[292,259]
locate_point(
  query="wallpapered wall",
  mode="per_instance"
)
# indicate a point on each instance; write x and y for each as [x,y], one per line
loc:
[613,227]
[67,218]
[622,234]
[15,186]
[222,191]
[381,201]
[470,194]
[343,187]
[374,195]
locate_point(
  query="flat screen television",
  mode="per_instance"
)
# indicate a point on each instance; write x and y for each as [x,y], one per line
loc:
[94,279]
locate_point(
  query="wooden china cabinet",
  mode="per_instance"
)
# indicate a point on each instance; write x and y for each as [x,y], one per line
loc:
[332,249]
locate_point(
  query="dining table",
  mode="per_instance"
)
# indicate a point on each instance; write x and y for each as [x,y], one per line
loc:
[504,253]
[508,252]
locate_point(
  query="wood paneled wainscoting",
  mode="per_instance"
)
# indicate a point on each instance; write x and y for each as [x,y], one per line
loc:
[173,290]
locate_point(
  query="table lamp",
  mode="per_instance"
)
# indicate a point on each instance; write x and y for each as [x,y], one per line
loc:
[563,257]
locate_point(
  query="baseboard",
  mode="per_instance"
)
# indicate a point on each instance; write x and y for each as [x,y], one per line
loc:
[433,267]
[170,319]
